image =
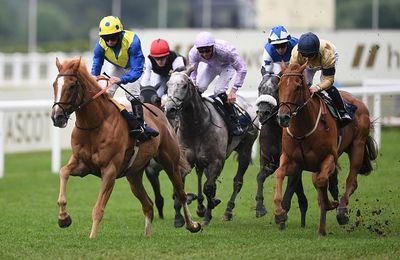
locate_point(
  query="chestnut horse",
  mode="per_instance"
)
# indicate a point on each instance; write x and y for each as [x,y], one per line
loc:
[101,145]
[311,142]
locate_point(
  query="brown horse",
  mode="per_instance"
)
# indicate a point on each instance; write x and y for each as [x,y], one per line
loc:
[101,145]
[311,142]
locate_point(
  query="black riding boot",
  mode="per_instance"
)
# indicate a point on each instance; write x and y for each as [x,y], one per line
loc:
[143,132]
[133,123]
[338,101]
[235,125]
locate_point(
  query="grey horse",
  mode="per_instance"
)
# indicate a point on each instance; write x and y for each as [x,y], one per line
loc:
[206,139]
[270,151]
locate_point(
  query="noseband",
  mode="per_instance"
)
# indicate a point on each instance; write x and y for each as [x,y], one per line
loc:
[191,87]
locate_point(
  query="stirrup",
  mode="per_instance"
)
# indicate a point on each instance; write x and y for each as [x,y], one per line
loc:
[237,130]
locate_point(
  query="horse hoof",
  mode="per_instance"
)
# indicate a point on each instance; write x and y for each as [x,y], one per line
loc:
[282,226]
[196,227]
[303,224]
[342,216]
[228,216]
[216,202]
[161,215]
[261,212]
[322,233]
[333,205]
[64,223]
[201,211]
[281,218]
[179,221]
[190,197]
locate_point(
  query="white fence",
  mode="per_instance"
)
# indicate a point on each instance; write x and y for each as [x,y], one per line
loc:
[374,88]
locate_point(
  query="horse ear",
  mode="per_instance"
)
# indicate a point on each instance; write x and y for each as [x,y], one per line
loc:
[58,64]
[283,66]
[190,70]
[76,65]
[303,67]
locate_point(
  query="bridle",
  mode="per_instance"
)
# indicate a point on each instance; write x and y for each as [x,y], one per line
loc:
[298,107]
[72,100]
[191,88]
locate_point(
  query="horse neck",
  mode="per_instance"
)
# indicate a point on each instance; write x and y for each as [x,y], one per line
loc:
[93,114]
[195,114]
[306,118]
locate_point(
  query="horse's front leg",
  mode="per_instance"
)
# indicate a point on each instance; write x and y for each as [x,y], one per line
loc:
[285,168]
[72,168]
[244,161]
[320,181]
[210,188]
[261,176]
[108,175]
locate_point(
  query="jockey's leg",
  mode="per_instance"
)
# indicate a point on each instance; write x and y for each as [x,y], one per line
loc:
[205,74]
[338,101]
[143,131]
[222,85]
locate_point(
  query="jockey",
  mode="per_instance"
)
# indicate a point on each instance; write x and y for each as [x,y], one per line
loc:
[159,65]
[320,55]
[221,59]
[122,49]
[278,48]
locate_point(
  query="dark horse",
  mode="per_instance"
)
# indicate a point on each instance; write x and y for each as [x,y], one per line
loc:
[101,145]
[270,150]
[205,137]
[311,141]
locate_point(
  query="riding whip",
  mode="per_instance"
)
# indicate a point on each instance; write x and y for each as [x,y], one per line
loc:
[138,100]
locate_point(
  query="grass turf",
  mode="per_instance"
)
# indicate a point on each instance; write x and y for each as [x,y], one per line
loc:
[28,217]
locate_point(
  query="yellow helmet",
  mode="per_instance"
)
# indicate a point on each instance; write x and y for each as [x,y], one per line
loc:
[110,25]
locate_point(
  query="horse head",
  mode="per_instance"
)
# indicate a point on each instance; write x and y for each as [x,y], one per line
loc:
[68,92]
[267,100]
[293,93]
[180,92]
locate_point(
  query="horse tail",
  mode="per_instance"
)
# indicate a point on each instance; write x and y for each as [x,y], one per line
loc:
[370,154]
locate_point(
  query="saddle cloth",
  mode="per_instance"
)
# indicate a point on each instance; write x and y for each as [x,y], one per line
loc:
[244,117]
[351,109]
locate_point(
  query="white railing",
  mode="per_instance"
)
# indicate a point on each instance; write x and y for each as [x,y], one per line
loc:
[369,88]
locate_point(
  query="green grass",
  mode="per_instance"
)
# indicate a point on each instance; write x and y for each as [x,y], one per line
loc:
[28,218]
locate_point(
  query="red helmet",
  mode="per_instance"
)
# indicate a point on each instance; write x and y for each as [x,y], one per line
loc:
[159,48]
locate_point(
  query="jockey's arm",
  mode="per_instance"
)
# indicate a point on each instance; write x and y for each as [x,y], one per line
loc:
[178,63]
[194,60]
[328,78]
[241,70]
[98,60]
[267,62]
[136,62]
[328,62]
[147,73]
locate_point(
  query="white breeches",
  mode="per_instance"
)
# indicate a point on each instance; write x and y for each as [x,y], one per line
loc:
[206,74]
[132,87]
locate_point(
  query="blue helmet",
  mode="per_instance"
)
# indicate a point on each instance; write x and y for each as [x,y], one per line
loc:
[279,34]
[308,44]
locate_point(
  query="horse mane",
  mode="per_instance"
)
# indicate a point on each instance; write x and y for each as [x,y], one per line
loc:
[293,67]
[83,72]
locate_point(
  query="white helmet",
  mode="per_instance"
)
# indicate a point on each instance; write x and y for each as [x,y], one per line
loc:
[204,39]
[279,34]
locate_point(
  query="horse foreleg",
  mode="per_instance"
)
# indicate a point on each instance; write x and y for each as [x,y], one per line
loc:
[244,161]
[137,188]
[72,168]
[280,213]
[180,195]
[356,159]
[261,176]
[108,175]
[64,220]
[210,188]
[320,181]
[201,209]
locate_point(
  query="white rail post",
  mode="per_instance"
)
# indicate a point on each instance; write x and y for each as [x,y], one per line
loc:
[55,150]
[378,118]
[2,136]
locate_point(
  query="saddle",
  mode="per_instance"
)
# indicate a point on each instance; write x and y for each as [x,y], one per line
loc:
[243,116]
[351,109]
[148,94]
